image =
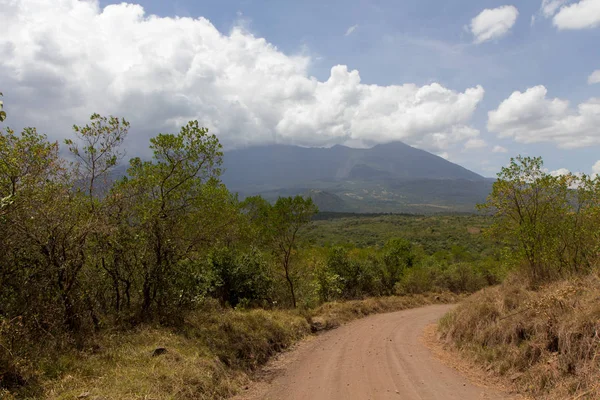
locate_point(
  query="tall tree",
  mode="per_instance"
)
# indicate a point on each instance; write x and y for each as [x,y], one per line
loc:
[546,220]
[285,220]
[172,194]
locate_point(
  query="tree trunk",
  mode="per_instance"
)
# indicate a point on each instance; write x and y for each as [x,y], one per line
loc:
[291,284]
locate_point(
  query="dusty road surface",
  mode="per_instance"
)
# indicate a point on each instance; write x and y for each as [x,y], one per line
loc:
[379,357]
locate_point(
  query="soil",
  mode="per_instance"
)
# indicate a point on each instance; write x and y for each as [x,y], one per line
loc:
[385,356]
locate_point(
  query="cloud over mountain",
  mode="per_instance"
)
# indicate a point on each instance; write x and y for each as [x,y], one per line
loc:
[531,117]
[62,60]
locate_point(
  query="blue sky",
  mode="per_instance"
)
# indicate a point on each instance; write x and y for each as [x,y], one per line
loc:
[393,43]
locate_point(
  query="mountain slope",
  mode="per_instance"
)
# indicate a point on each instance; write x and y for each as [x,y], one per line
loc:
[274,166]
[393,177]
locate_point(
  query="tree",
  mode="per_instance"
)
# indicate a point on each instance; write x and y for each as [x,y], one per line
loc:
[398,255]
[285,219]
[546,220]
[171,196]
[100,149]
[44,227]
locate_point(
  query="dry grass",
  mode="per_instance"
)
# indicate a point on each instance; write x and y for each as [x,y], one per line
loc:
[208,359]
[545,342]
[211,356]
[332,315]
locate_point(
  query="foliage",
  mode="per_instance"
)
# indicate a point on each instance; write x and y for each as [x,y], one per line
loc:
[281,224]
[432,233]
[241,278]
[354,278]
[550,222]
[100,149]
[86,254]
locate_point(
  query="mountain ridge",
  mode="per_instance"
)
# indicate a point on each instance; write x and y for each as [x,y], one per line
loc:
[393,177]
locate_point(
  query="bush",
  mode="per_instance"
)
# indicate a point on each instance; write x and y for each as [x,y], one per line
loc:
[430,276]
[240,278]
[355,278]
[16,370]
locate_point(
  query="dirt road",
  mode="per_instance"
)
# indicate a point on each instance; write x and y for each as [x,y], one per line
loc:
[379,357]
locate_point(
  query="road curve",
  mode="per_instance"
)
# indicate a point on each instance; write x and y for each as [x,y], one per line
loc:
[378,357]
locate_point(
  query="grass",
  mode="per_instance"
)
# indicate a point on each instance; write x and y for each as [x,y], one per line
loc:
[212,355]
[545,343]
[209,357]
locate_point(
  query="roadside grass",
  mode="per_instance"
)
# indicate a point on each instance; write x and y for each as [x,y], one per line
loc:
[212,355]
[545,343]
[333,314]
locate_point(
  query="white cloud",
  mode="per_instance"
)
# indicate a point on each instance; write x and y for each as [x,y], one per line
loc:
[530,117]
[560,172]
[596,169]
[573,184]
[62,60]
[351,30]
[581,15]
[493,23]
[445,140]
[477,143]
[550,7]
[594,77]
[499,149]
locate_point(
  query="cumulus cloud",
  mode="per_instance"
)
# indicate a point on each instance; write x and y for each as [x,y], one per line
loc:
[476,143]
[594,77]
[351,30]
[62,60]
[550,7]
[560,172]
[493,23]
[499,149]
[564,172]
[596,169]
[531,117]
[581,15]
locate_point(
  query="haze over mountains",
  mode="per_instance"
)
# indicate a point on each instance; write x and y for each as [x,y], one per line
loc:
[390,177]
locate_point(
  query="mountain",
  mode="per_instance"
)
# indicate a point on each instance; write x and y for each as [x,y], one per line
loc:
[390,177]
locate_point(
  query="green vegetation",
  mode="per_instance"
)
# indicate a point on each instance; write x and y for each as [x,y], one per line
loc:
[432,232]
[539,329]
[95,272]
[550,223]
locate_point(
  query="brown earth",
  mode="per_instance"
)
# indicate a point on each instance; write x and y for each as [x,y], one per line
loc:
[379,357]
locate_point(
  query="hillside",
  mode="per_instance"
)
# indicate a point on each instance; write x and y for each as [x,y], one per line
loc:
[542,342]
[393,177]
